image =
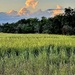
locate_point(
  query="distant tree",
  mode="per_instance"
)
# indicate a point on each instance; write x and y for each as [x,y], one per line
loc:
[69,15]
[57,24]
[43,24]
[67,30]
[47,28]
[22,21]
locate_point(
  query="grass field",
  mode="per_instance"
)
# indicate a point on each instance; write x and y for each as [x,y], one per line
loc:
[37,54]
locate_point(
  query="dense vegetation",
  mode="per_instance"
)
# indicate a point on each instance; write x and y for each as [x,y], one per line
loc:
[60,24]
[37,54]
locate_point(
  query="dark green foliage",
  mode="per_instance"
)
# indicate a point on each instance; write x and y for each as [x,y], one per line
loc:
[0,53]
[17,52]
[35,52]
[74,50]
[58,49]
[26,54]
[68,52]
[9,52]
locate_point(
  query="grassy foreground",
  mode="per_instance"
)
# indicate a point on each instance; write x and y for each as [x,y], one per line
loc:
[37,54]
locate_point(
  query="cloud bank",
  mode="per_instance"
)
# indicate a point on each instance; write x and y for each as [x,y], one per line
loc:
[13,16]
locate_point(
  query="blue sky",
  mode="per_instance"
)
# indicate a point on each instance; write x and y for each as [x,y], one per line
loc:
[6,5]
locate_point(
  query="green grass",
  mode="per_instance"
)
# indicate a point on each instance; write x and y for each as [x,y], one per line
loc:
[37,54]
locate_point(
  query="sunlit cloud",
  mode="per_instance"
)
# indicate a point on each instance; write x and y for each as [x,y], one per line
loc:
[12,12]
[57,10]
[24,11]
[31,3]
[28,3]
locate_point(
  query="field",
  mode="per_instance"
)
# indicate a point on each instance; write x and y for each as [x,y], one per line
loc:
[37,54]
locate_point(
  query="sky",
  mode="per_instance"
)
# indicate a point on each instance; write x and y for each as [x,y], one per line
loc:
[6,5]
[14,10]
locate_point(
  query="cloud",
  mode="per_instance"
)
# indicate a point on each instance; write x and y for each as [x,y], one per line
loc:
[24,11]
[28,3]
[31,3]
[4,18]
[39,13]
[12,13]
[14,16]
[57,10]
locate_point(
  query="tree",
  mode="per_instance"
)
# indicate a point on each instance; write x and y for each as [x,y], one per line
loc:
[67,30]
[43,24]
[59,24]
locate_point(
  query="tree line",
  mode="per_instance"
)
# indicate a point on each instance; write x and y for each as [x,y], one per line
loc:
[59,24]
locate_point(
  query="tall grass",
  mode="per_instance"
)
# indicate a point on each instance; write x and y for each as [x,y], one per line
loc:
[41,54]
